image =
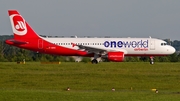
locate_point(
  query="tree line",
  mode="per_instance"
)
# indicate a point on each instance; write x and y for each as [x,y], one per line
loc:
[13,54]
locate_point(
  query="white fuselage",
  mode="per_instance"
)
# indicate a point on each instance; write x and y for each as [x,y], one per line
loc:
[130,46]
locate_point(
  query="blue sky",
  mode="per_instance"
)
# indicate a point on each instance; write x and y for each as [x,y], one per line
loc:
[116,18]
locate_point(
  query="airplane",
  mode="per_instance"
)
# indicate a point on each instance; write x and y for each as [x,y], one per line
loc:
[113,49]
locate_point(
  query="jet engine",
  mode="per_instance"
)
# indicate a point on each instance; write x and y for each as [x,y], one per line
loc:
[115,56]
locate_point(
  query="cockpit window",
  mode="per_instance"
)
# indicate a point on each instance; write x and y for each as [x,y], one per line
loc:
[163,44]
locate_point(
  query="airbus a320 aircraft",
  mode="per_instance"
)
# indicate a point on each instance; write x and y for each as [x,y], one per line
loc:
[113,49]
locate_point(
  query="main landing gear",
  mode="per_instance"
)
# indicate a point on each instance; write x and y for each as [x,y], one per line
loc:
[94,61]
[151,60]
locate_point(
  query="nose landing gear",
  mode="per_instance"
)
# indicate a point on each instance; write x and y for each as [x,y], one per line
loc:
[151,60]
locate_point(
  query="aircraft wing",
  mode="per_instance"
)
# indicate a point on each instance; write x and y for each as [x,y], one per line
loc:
[92,49]
[97,50]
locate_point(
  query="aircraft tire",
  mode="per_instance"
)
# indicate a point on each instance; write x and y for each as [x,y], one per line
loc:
[94,61]
[151,60]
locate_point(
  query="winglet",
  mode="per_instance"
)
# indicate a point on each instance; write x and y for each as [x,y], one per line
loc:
[73,44]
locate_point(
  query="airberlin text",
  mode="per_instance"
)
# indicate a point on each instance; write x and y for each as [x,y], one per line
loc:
[141,45]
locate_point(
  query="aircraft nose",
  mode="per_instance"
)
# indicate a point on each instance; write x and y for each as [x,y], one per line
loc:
[172,50]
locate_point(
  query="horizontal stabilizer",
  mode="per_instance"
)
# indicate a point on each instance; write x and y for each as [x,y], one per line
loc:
[13,41]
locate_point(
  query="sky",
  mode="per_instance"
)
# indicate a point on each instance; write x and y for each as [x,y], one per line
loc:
[115,18]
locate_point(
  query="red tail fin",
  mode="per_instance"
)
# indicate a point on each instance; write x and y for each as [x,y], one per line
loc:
[20,27]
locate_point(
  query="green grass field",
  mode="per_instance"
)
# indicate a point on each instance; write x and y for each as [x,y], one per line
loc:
[133,81]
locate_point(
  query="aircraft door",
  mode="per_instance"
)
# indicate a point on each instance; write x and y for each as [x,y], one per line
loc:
[40,44]
[152,44]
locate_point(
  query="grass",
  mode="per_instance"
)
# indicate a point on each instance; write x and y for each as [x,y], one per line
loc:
[133,81]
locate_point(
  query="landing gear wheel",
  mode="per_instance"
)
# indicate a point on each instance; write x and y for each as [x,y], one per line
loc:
[151,60]
[94,61]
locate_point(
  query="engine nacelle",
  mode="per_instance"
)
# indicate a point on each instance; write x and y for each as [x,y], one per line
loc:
[115,56]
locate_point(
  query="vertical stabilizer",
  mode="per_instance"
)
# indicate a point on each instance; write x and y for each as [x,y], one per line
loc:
[20,27]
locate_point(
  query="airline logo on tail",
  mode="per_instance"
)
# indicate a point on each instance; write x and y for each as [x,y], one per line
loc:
[18,24]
